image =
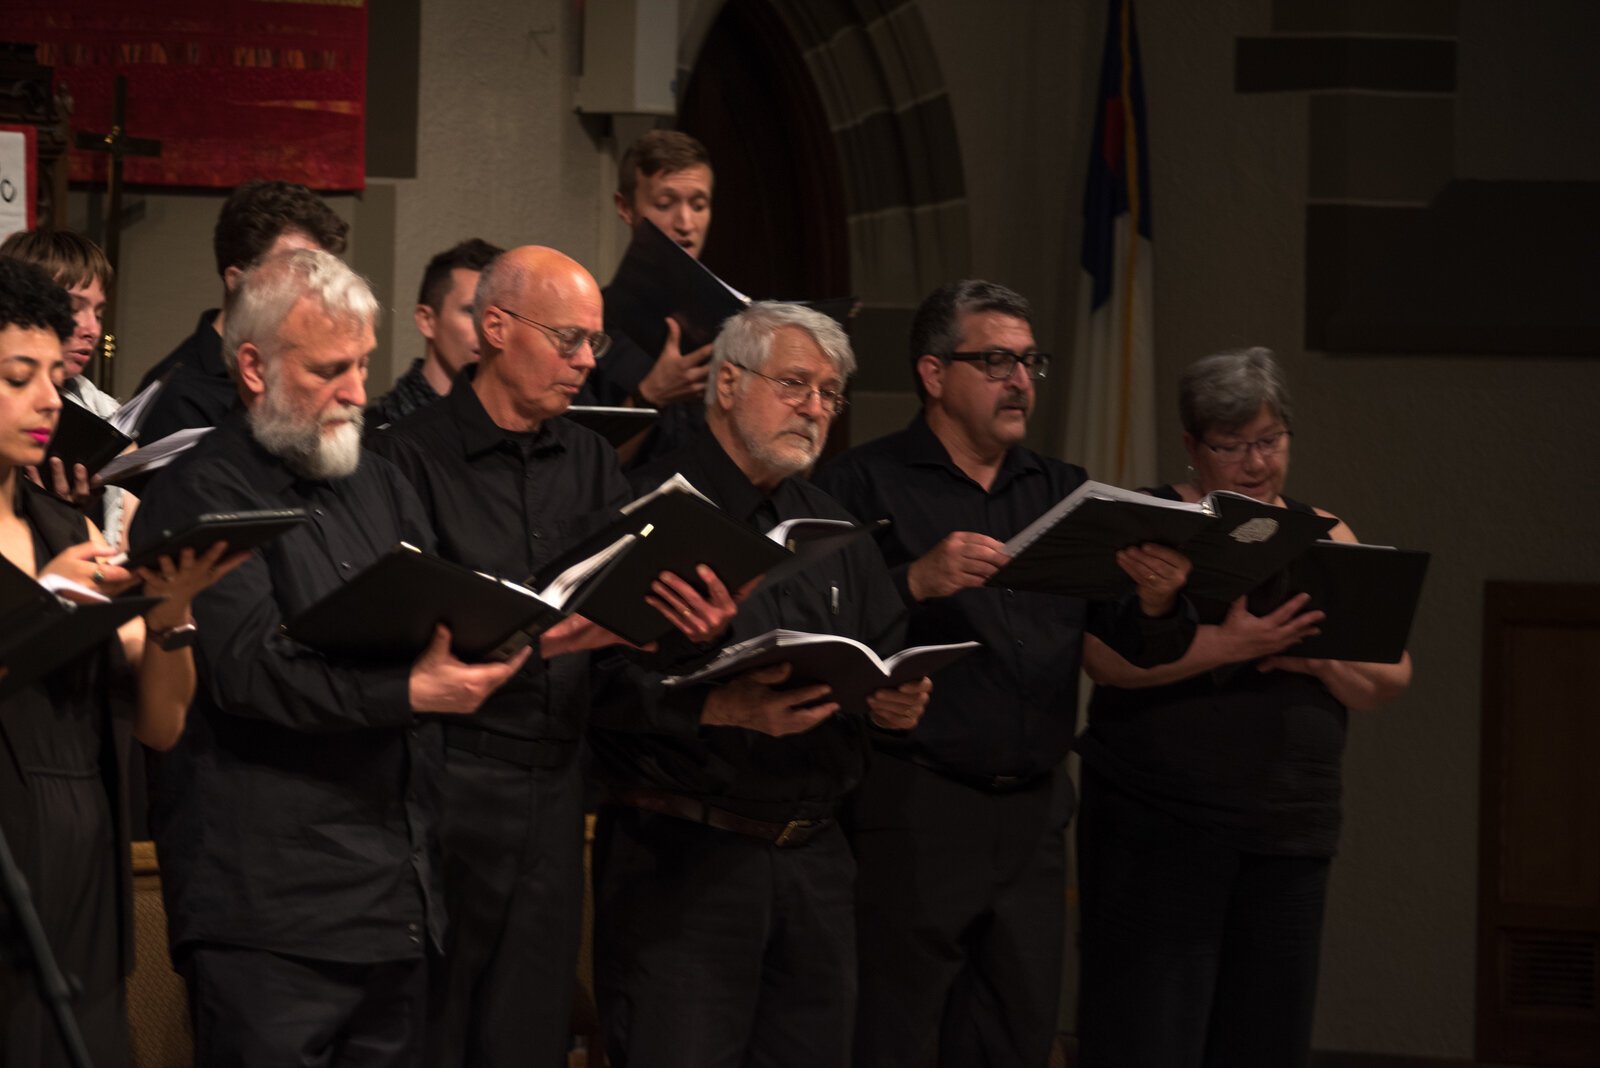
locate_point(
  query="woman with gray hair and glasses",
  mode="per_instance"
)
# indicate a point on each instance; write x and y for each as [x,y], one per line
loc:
[1211,792]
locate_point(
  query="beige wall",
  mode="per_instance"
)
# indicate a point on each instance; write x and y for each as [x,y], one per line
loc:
[1489,462]
[501,156]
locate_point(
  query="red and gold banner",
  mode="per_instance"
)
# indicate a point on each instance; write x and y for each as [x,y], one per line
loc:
[233,89]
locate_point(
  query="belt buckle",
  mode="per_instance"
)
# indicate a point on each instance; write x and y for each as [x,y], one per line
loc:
[791,830]
[1004,782]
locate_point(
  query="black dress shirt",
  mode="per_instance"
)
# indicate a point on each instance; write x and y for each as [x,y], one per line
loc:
[411,392]
[1009,709]
[636,343]
[507,503]
[201,392]
[644,737]
[296,813]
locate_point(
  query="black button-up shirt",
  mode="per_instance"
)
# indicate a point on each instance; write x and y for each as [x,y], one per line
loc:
[1011,707]
[645,737]
[507,503]
[200,393]
[296,813]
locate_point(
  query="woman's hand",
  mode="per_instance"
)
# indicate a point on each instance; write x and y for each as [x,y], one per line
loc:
[1246,636]
[85,564]
[179,581]
[74,486]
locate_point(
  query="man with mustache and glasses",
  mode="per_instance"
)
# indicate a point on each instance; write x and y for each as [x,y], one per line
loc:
[295,817]
[959,825]
[509,485]
[723,906]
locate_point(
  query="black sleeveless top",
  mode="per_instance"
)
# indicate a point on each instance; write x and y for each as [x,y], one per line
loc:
[1252,758]
[62,761]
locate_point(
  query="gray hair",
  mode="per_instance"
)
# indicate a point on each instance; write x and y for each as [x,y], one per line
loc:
[1226,390]
[258,305]
[746,339]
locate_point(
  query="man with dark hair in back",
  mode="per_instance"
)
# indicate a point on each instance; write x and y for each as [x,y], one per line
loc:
[664,178]
[258,219]
[444,319]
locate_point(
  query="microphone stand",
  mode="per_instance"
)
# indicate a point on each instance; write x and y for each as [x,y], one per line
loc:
[52,985]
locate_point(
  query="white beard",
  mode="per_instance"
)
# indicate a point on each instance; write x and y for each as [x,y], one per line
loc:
[301,443]
[784,457]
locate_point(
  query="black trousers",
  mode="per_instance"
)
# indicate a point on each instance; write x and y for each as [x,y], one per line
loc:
[718,950]
[961,906]
[1195,954]
[513,871]
[256,1009]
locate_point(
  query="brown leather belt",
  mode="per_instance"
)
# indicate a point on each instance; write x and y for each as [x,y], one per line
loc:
[785,835]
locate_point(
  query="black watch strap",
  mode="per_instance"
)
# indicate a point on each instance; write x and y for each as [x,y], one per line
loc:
[180,637]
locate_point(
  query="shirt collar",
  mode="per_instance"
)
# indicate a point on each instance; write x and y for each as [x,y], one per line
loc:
[262,468]
[725,482]
[921,446]
[480,433]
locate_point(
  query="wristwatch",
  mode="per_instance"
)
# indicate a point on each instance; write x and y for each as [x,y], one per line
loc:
[180,637]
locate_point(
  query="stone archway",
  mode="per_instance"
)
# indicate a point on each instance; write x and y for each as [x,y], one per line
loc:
[887,108]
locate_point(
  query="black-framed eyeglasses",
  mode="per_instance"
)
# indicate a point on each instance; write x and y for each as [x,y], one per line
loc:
[795,393]
[999,363]
[567,338]
[1235,451]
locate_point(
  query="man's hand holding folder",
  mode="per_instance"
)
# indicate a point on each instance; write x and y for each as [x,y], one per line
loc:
[756,701]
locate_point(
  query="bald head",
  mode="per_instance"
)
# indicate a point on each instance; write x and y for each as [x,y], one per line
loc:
[527,277]
[527,299]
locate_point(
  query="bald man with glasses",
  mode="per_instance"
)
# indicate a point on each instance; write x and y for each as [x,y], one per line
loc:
[508,484]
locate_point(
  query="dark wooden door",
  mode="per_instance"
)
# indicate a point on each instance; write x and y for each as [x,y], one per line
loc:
[778,226]
[778,219]
[1538,999]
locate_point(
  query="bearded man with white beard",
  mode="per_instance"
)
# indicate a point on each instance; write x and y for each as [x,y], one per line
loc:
[723,883]
[295,818]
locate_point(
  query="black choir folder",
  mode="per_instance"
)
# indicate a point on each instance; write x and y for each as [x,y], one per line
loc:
[83,437]
[133,470]
[674,528]
[617,425]
[388,611]
[849,667]
[1370,595]
[39,631]
[662,280]
[1234,542]
[241,530]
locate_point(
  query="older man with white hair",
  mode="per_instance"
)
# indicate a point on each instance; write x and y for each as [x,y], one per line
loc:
[295,818]
[724,924]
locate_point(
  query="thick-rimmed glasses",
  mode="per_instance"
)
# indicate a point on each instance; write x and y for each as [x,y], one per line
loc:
[999,363]
[567,338]
[795,393]
[1234,452]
